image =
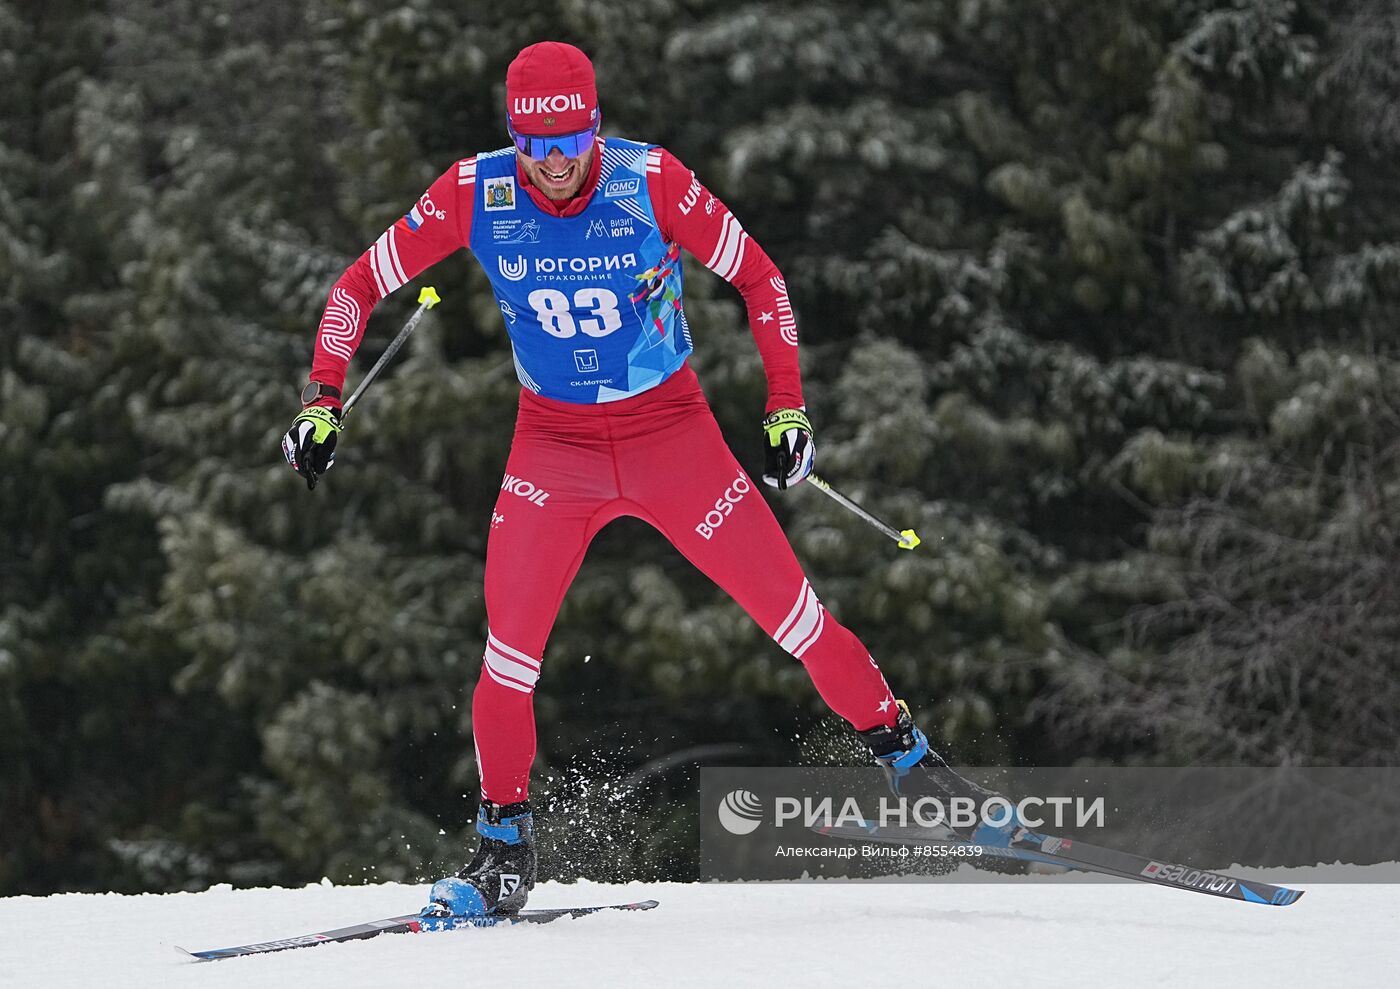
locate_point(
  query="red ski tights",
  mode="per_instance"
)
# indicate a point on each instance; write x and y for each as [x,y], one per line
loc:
[660,457]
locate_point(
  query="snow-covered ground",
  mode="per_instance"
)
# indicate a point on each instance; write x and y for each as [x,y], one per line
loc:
[1041,931]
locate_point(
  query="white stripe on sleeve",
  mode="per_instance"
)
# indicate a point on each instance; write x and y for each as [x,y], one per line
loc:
[382,263]
[729,251]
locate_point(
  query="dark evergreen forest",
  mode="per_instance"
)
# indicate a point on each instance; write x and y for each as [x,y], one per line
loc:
[1100,297]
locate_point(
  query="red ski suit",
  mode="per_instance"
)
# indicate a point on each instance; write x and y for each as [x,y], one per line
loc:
[658,456]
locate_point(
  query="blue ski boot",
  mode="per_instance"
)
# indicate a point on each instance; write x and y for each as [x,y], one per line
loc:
[915,770]
[497,880]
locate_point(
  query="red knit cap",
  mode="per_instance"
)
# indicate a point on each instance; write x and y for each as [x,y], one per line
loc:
[550,89]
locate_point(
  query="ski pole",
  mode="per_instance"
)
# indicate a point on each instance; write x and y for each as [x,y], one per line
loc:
[427,298]
[907,539]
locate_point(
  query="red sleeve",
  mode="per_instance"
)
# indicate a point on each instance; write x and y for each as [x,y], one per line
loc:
[436,226]
[693,217]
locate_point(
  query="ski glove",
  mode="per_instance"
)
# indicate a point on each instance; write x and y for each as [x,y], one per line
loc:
[309,445]
[789,450]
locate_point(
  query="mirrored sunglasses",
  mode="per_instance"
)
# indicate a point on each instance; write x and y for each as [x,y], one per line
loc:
[569,145]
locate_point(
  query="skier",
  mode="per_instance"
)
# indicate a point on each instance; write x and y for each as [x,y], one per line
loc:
[580,238]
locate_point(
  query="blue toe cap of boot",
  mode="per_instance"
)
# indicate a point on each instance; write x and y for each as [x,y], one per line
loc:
[458,897]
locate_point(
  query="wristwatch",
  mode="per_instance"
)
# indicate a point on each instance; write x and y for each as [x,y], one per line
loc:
[315,391]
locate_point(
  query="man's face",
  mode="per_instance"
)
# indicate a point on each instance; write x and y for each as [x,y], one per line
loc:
[557,176]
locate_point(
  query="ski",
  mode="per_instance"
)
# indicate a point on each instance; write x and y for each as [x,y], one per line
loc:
[1031,846]
[411,924]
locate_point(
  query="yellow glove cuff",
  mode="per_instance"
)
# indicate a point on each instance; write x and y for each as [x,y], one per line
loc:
[323,420]
[779,421]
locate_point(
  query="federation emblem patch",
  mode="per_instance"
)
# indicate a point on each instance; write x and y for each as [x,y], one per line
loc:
[500,193]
